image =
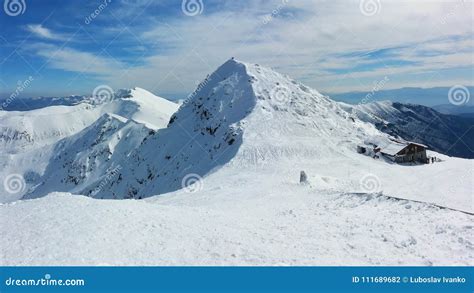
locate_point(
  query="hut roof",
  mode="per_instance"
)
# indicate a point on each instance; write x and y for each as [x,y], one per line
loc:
[418,144]
[395,147]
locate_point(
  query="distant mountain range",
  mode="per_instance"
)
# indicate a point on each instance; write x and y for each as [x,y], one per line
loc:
[436,97]
[464,111]
[408,95]
[33,103]
[448,134]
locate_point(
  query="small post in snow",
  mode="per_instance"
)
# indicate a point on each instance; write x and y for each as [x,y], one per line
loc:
[303,177]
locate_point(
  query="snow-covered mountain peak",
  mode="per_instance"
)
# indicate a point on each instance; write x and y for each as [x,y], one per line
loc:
[279,93]
[241,117]
[266,103]
[237,115]
[225,96]
[142,106]
[133,93]
[237,90]
[25,130]
[82,162]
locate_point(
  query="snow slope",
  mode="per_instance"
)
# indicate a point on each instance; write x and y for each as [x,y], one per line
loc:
[241,111]
[141,106]
[22,131]
[25,130]
[248,132]
[248,116]
[29,140]
[276,223]
[79,162]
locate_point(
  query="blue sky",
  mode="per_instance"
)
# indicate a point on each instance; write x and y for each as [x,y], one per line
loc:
[333,46]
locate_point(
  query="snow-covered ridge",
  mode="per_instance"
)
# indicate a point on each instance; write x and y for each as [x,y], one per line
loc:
[244,114]
[29,139]
[142,106]
[300,117]
[447,134]
[82,162]
[25,130]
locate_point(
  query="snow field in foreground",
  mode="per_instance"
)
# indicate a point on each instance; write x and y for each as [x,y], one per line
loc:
[287,224]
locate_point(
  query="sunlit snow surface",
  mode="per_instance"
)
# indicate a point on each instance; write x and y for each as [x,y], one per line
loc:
[249,208]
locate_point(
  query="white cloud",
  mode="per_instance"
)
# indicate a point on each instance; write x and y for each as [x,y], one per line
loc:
[45,33]
[311,43]
[308,40]
[72,60]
